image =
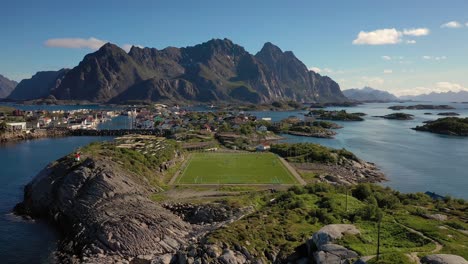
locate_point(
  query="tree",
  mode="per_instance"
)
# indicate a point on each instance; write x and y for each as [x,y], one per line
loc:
[3,126]
[362,192]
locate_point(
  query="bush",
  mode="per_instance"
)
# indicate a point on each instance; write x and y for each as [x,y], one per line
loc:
[362,191]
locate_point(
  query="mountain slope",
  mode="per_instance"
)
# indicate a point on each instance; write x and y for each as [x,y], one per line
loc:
[461,96]
[368,94]
[38,86]
[6,86]
[217,70]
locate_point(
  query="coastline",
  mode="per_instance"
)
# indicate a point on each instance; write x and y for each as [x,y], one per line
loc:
[10,137]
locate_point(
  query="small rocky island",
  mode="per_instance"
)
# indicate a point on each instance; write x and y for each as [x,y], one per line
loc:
[447,126]
[398,116]
[295,126]
[421,107]
[448,114]
[341,115]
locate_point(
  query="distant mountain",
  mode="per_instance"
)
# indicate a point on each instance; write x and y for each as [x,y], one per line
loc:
[217,70]
[368,94]
[38,86]
[461,96]
[6,86]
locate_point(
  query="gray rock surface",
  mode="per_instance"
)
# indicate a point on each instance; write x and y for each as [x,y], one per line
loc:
[330,233]
[322,249]
[443,259]
[103,211]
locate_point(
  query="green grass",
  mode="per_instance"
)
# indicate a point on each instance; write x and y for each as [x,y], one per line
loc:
[235,168]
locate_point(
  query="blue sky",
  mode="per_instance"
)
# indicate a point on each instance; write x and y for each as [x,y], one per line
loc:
[406,47]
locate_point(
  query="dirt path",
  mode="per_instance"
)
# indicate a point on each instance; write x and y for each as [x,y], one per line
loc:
[414,255]
[293,171]
[176,175]
[438,245]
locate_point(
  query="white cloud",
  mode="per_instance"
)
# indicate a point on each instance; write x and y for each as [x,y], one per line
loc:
[416,32]
[439,87]
[388,71]
[128,47]
[411,41]
[387,58]
[437,58]
[75,43]
[378,37]
[466,24]
[315,69]
[452,24]
[324,70]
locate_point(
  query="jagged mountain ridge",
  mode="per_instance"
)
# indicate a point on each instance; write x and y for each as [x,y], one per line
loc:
[217,70]
[6,86]
[39,85]
[368,94]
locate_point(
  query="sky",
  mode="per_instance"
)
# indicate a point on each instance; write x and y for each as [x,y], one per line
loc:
[405,47]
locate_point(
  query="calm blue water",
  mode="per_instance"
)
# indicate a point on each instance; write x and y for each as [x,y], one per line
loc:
[25,241]
[413,161]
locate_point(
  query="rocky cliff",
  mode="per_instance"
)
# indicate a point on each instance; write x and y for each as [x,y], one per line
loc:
[6,86]
[38,86]
[217,70]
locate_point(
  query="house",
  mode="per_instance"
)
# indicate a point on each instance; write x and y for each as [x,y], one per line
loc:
[262,128]
[44,121]
[16,126]
[263,147]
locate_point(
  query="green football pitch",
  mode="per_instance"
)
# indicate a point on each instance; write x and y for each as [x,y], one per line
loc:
[235,168]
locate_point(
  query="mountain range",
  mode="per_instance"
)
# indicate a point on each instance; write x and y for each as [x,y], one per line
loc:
[368,94]
[6,86]
[217,70]
[461,96]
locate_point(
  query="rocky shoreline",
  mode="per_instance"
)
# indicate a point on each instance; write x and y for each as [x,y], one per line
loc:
[33,134]
[321,134]
[346,172]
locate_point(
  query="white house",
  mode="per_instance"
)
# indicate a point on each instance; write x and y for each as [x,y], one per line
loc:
[262,128]
[16,126]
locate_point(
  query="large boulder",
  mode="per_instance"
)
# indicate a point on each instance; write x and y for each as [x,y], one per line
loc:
[231,257]
[322,249]
[443,259]
[330,233]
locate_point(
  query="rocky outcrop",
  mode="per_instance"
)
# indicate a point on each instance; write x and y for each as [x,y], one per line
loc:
[103,212]
[322,248]
[345,172]
[398,116]
[10,136]
[443,259]
[438,217]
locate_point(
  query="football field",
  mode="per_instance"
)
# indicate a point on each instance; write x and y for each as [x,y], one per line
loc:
[235,168]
